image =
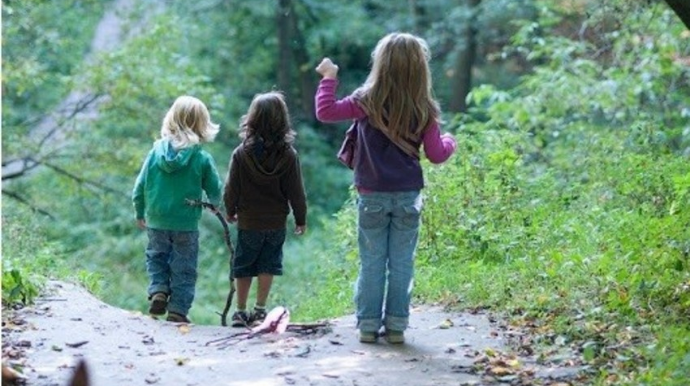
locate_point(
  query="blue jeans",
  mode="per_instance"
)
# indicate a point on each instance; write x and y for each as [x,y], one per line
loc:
[171,262]
[387,238]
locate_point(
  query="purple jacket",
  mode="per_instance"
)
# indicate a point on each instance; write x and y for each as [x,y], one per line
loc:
[379,164]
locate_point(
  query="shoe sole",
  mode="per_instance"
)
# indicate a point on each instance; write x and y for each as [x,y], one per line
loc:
[178,319]
[368,338]
[158,307]
[395,340]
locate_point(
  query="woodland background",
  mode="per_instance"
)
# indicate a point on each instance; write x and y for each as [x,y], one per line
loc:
[565,209]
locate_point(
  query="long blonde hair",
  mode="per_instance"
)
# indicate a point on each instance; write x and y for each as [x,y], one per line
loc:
[268,122]
[397,95]
[188,123]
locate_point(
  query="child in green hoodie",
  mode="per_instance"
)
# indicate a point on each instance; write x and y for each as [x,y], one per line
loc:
[176,169]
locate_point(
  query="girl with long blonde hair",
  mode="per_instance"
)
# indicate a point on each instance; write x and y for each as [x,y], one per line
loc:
[395,115]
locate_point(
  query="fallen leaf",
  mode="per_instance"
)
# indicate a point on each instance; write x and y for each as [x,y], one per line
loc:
[513,363]
[183,329]
[500,371]
[446,324]
[147,340]
[77,344]
[181,361]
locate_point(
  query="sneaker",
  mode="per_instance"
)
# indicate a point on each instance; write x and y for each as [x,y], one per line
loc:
[240,319]
[258,315]
[159,303]
[368,336]
[177,318]
[395,337]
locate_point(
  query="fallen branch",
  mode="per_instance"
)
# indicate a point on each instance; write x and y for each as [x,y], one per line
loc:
[276,322]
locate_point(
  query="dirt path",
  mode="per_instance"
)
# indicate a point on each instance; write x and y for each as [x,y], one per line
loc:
[125,348]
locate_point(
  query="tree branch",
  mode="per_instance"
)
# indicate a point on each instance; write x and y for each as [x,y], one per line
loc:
[79,179]
[27,164]
[26,202]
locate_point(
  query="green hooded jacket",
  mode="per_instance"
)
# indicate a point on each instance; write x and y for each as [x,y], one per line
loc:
[167,178]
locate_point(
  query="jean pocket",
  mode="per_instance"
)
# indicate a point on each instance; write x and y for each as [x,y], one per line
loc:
[412,214]
[371,215]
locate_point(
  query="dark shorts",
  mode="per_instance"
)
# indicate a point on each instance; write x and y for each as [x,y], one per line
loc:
[259,252]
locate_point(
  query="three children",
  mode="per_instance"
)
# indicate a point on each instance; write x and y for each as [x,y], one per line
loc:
[395,113]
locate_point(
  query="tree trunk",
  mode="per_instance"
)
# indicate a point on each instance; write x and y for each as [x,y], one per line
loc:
[682,9]
[462,74]
[305,73]
[419,19]
[294,65]
[283,15]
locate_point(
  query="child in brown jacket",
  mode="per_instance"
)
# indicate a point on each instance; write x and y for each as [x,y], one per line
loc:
[264,183]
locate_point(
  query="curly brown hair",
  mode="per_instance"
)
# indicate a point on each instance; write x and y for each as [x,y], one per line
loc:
[267,121]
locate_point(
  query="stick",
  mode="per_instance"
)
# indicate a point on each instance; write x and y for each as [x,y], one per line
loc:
[228,242]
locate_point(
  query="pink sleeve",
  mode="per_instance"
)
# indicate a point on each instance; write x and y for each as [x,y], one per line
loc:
[328,109]
[437,147]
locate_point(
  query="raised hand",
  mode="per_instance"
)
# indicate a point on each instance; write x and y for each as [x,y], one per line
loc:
[327,69]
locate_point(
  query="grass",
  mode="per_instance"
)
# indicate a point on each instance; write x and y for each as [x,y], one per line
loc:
[29,260]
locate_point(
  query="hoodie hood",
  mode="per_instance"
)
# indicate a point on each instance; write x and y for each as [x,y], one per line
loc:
[264,163]
[169,159]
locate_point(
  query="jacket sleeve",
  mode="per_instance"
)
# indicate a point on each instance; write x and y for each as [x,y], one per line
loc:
[138,196]
[438,148]
[231,193]
[329,109]
[211,181]
[294,187]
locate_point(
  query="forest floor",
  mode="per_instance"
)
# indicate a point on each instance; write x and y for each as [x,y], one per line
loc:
[67,324]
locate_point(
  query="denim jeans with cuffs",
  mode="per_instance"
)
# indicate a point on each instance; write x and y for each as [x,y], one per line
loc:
[388,228]
[171,263]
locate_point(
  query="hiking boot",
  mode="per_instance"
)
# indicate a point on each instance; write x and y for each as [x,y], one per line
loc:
[177,318]
[240,319]
[258,315]
[159,304]
[368,336]
[395,337]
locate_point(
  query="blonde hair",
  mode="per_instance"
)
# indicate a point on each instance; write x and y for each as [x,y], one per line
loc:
[188,123]
[397,95]
[267,122]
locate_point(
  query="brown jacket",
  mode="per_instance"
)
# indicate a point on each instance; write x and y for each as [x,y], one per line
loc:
[262,188]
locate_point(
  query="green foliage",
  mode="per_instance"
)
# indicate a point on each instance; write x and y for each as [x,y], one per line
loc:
[39,58]
[28,260]
[567,202]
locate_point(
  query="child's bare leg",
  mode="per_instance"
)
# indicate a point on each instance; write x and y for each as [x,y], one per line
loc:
[243,286]
[265,282]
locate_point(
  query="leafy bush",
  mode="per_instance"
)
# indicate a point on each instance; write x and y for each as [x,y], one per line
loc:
[29,260]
